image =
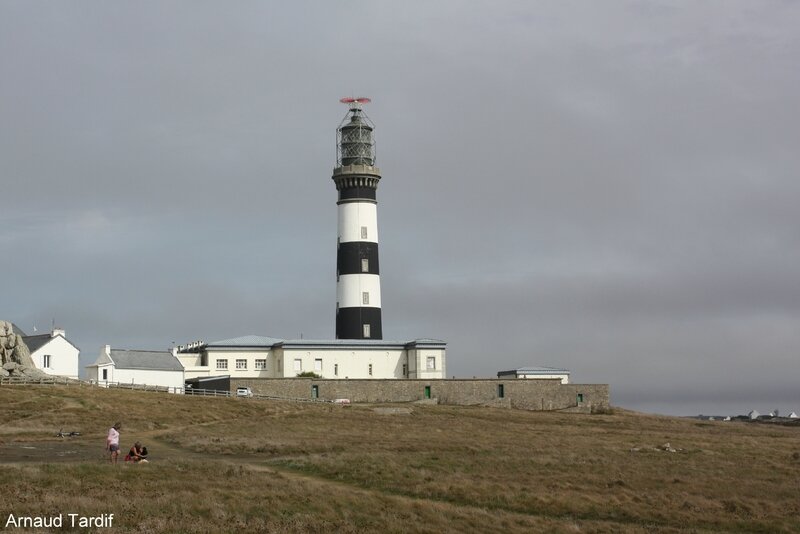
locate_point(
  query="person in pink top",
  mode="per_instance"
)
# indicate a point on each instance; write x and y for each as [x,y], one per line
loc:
[112,442]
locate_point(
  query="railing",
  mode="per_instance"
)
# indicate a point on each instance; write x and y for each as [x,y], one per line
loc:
[50,380]
[63,381]
[206,392]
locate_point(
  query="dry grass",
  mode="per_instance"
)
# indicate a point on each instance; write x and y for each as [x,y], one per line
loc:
[226,464]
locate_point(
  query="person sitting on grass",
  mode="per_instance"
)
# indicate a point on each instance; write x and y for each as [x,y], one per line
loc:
[135,454]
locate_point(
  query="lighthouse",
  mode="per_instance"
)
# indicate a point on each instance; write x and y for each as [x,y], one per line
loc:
[358,284]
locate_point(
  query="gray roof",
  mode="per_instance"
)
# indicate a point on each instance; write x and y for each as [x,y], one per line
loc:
[38,341]
[35,343]
[536,371]
[265,341]
[145,359]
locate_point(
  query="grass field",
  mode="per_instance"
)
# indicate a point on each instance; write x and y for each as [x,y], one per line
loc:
[222,465]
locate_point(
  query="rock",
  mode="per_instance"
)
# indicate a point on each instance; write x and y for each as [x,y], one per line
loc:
[10,366]
[12,348]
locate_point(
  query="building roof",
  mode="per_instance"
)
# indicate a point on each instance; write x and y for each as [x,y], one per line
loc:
[266,341]
[38,341]
[35,343]
[246,341]
[145,359]
[536,370]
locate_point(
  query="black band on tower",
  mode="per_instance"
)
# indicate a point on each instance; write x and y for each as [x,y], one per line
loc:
[357,192]
[350,323]
[351,256]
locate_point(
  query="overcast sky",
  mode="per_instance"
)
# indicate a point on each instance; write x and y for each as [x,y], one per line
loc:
[610,187]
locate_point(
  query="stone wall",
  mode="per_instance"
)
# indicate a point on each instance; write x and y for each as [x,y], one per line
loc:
[527,394]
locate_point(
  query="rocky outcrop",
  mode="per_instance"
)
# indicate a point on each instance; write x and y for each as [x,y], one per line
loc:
[15,357]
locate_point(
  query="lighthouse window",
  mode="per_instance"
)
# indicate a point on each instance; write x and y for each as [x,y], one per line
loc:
[363,232]
[431,362]
[366,330]
[364,265]
[365,297]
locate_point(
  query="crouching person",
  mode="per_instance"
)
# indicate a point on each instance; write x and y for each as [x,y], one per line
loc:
[137,454]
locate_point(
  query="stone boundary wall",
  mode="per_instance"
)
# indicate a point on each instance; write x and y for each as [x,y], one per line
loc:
[527,394]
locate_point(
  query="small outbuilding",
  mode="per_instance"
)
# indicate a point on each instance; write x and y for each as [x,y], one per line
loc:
[538,373]
[145,367]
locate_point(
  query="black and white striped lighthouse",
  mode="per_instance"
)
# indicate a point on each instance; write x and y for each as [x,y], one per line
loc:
[358,283]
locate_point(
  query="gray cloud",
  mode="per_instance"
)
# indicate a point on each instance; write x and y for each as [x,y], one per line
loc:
[611,188]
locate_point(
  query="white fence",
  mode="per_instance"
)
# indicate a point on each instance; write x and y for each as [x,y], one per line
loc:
[63,381]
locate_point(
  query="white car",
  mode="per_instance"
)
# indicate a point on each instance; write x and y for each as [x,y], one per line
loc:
[243,392]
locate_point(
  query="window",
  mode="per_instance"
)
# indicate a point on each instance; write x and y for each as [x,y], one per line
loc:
[431,362]
[241,363]
[365,297]
[46,361]
[105,374]
[318,365]
[363,232]
[366,330]
[370,369]
[405,369]
[222,365]
[335,369]
[364,265]
[261,364]
[501,391]
[298,364]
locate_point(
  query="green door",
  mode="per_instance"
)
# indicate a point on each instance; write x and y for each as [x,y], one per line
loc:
[427,392]
[314,392]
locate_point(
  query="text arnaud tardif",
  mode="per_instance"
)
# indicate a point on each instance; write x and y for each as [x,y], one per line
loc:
[60,520]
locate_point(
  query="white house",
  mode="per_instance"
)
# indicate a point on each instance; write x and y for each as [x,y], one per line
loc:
[53,354]
[539,373]
[153,368]
[267,357]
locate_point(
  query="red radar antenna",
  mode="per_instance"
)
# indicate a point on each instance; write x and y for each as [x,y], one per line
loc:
[355,102]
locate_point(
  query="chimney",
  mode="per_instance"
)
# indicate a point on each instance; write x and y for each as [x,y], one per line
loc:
[58,332]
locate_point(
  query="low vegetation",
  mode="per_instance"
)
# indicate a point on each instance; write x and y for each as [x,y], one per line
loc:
[228,464]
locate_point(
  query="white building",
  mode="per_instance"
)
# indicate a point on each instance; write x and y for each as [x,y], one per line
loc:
[153,368]
[538,373]
[267,357]
[53,354]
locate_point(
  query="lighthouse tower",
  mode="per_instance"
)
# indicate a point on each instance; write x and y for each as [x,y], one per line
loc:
[358,284]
